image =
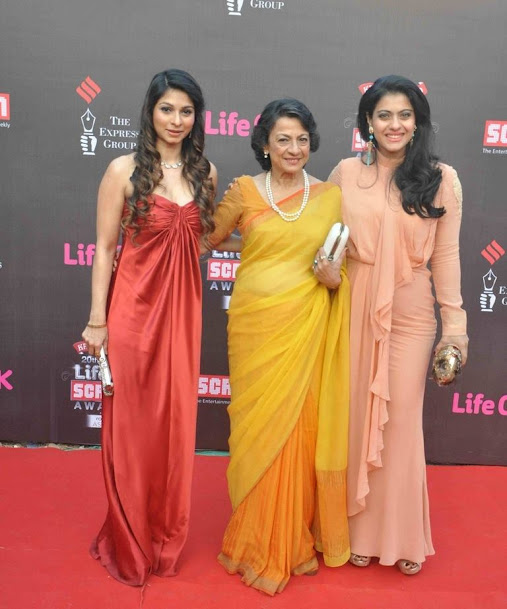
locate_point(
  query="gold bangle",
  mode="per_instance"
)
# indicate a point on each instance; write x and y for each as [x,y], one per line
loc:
[89,325]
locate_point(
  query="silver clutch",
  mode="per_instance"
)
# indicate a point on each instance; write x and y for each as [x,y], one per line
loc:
[105,374]
[446,365]
[336,241]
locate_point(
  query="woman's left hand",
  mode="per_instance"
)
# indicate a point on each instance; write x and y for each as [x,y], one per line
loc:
[460,341]
[328,272]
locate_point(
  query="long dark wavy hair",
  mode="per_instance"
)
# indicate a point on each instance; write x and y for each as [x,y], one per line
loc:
[291,108]
[418,177]
[148,171]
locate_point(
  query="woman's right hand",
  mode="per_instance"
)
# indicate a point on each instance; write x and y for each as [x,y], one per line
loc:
[230,185]
[95,338]
[328,273]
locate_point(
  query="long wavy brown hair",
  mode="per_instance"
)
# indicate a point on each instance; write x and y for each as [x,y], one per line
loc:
[148,171]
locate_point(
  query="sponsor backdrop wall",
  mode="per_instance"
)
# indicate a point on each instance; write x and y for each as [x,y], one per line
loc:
[72,79]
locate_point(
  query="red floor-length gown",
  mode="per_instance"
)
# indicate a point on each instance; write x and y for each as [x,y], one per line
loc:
[148,426]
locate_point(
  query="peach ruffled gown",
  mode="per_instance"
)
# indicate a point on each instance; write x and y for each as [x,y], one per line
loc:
[392,333]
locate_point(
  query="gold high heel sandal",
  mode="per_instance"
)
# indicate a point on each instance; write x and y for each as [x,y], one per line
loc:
[359,561]
[407,567]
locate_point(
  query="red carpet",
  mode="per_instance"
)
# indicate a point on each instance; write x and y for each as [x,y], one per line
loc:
[52,503]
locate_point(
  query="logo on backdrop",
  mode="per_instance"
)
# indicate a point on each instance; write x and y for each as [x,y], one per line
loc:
[4,382]
[116,134]
[476,404]
[214,389]
[493,252]
[221,275]
[85,386]
[5,110]
[228,123]
[88,90]
[495,137]
[235,7]
[358,144]
[80,255]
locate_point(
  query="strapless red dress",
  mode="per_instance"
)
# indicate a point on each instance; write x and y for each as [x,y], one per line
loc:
[148,426]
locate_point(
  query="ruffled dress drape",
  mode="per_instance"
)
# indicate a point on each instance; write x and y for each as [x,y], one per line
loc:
[392,333]
[148,426]
[288,356]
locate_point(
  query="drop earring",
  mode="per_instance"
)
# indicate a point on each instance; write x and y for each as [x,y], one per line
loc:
[265,154]
[370,158]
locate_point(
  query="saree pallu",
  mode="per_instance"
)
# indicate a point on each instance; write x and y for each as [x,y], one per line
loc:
[288,357]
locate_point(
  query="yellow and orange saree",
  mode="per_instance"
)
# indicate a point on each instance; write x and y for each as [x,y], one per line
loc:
[288,356]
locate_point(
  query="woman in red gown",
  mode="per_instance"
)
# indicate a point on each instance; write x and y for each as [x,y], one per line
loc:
[149,322]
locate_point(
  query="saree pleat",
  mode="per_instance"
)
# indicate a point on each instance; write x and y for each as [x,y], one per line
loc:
[288,356]
[278,507]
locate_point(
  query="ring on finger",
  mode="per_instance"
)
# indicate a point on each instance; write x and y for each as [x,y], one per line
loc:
[323,257]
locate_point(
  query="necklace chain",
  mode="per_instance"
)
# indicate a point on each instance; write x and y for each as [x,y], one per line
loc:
[171,165]
[288,216]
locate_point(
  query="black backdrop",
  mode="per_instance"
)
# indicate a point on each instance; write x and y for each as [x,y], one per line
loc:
[72,79]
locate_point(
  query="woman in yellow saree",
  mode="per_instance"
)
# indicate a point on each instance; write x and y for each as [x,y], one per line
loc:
[288,356]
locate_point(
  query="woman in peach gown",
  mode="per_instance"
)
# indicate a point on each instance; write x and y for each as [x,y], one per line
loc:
[288,356]
[404,211]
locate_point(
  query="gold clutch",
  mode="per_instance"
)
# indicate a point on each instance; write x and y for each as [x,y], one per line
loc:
[105,374]
[446,365]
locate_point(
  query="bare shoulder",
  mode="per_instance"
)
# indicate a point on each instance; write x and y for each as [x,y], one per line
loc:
[213,174]
[212,170]
[116,181]
[122,166]
[119,172]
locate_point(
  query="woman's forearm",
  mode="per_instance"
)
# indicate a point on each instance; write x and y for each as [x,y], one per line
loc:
[101,278]
[233,243]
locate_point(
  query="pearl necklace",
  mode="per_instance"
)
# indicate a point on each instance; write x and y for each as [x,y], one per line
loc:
[288,216]
[171,165]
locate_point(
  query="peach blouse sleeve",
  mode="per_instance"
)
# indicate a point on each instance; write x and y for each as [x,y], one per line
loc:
[445,263]
[336,175]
